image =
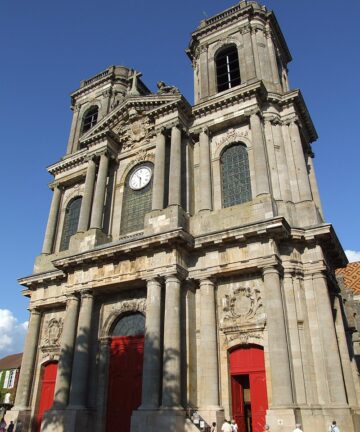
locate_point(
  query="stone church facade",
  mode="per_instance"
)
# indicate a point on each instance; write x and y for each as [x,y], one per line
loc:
[187,273]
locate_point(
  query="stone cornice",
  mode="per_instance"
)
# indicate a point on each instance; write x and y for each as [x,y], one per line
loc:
[45,278]
[149,103]
[125,247]
[71,161]
[295,97]
[223,100]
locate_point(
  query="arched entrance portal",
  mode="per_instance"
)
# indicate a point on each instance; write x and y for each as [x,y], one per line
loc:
[47,389]
[125,371]
[248,388]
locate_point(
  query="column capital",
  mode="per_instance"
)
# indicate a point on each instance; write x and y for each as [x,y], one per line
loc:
[35,311]
[268,269]
[71,296]
[174,277]
[154,279]
[87,293]
[207,281]
[205,130]
[56,185]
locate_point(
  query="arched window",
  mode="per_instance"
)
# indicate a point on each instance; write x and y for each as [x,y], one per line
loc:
[90,118]
[71,221]
[235,175]
[227,68]
[130,325]
[136,198]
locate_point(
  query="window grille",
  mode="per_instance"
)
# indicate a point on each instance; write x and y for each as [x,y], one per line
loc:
[90,118]
[136,203]
[235,173]
[227,68]
[71,221]
[130,325]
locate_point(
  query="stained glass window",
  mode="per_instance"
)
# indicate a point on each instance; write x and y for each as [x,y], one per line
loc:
[227,68]
[136,203]
[235,173]
[71,221]
[130,325]
[90,118]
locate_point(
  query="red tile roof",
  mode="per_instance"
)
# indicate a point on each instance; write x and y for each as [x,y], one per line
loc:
[12,361]
[351,275]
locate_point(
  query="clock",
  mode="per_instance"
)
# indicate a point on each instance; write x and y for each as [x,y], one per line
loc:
[140,177]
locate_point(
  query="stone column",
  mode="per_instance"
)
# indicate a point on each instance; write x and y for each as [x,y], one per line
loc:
[272,55]
[175,167]
[249,54]
[28,361]
[151,366]
[171,390]
[344,355]
[283,171]
[78,393]
[63,376]
[101,393]
[52,221]
[100,189]
[73,130]
[205,171]
[159,172]
[300,165]
[335,380]
[208,347]
[278,351]
[313,184]
[260,160]
[86,202]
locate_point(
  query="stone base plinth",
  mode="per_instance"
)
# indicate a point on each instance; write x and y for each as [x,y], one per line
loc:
[160,420]
[212,414]
[172,217]
[321,418]
[87,240]
[67,420]
[22,419]
[281,420]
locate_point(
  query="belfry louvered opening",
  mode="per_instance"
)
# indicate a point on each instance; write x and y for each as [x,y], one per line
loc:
[227,68]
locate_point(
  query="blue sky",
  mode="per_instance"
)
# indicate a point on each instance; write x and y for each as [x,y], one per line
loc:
[48,47]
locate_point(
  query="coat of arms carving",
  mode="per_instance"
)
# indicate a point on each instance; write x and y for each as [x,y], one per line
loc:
[242,306]
[53,332]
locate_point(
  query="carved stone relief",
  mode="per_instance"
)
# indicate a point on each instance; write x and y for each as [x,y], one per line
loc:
[231,136]
[51,337]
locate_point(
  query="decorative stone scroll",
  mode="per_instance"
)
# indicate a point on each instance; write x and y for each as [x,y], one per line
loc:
[231,136]
[134,305]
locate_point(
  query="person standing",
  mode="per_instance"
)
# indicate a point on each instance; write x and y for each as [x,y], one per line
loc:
[213,427]
[3,425]
[234,426]
[333,427]
[298,428]
[11,427]
[226,427]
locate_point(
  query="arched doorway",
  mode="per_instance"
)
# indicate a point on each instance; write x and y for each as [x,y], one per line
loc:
[125,371]
[47,389]
[248,388]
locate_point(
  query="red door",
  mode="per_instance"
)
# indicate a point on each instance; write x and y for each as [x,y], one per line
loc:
[248,388]
[125,380]
[47,389]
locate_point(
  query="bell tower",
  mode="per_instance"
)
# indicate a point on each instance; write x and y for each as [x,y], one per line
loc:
[240,46]
[242,96]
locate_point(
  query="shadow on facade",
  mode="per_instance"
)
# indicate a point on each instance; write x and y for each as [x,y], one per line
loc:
[72,369]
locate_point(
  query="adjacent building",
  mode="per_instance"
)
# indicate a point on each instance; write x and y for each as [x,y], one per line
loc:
[187,273]
[9,375]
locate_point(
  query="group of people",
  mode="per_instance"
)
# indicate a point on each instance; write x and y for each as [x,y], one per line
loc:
[228,426]
[231,426]
[332,428]
[3,425]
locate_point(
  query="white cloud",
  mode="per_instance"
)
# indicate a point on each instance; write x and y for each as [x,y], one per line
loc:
[352,256]
[12,333]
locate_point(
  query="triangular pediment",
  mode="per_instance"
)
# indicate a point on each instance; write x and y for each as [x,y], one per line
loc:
[134,118]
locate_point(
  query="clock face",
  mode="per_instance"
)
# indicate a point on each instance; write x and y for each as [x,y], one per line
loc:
[140,177]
